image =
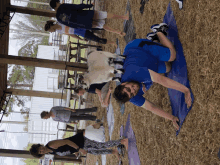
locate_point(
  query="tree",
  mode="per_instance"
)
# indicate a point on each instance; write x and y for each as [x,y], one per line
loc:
[29,29]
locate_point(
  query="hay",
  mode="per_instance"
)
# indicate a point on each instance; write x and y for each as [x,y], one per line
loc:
[198,141]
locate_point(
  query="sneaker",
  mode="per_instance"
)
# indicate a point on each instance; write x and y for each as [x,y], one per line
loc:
[152,36]
[162,27]
[97,120]
[180,2]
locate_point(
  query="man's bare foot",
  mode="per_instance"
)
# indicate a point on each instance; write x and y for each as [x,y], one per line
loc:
[125,143]
[122,34]
[115,152]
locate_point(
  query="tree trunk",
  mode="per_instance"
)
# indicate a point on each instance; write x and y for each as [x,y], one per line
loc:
[22,92]
[15,122]
[26,31]
[20,85]
[27,10]
[36,62]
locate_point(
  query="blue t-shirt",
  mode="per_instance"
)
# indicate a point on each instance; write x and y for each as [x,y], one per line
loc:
[140,75]
[136,66]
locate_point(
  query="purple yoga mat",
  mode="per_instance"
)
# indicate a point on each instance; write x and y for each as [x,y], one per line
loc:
[132,148]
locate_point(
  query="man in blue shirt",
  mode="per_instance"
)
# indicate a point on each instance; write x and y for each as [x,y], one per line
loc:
[144,61]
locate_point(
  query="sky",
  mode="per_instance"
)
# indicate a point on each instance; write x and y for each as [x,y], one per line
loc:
[13,140]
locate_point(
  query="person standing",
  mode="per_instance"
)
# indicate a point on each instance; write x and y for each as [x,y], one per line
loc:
[77,143]
[53,26]
[68,115]
[74,16]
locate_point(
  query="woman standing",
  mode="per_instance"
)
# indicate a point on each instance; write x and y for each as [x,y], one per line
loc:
[76,143]
[74,16]
[53,26]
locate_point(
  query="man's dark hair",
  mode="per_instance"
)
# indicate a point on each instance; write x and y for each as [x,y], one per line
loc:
[119,95]
[43,114]
[49,24]
[53,3]
[34,150]
[76,90]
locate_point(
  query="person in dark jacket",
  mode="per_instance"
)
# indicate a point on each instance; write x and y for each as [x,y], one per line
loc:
[74,16]
[53,26]
[76,143]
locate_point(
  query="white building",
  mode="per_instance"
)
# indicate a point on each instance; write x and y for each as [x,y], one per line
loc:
[45,79]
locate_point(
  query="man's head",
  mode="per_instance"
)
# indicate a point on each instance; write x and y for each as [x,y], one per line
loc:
[45,115]
[37,150]
[79,91]
[54,4]
[124,92]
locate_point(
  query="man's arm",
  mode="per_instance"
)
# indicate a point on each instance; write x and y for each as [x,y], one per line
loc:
[107,97]
[158,111]
[69,109]
[169,83]
[98,92]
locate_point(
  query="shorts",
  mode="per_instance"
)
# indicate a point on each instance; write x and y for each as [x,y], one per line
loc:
[157,50]
[99,19]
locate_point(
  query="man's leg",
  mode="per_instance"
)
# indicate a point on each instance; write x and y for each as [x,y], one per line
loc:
[114,16]
[90,36]
[82,117]
[166,42]
[107,28]
[86,110]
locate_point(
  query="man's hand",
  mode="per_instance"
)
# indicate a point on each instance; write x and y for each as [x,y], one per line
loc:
[144,88]
[69,109]
[82,151]
[175,120]
[110,89]
[97,91]
[188,98]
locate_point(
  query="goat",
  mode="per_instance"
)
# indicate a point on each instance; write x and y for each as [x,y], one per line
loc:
[100,69]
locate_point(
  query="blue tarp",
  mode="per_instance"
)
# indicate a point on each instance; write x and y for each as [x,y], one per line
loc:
[132,147]
[178,71]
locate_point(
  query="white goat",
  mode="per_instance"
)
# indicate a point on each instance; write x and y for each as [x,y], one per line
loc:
[99,69]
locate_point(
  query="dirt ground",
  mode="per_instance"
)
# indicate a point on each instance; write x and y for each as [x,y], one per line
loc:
[198,142]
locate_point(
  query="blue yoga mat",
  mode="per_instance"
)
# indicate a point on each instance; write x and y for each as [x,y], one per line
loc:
[178,71]
[132,147]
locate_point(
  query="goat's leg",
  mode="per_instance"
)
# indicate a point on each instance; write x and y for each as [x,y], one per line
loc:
[121,56]
[119,71]
[108,54]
